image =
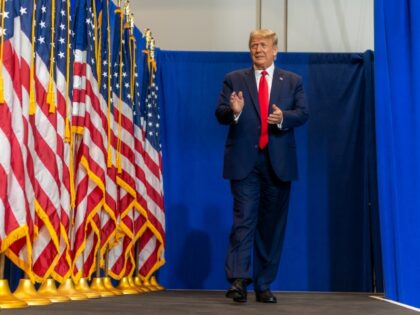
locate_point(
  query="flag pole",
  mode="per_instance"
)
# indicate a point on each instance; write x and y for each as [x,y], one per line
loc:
[2,263]
[259,13]
[3,3]
[286,23]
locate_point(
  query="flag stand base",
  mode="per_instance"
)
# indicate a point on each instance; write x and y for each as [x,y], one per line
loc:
[26,292]
[49,291]
[7,299]
[67,288]
[125,287]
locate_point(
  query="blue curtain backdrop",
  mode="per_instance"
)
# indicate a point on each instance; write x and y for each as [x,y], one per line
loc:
[397,69]
[332,235]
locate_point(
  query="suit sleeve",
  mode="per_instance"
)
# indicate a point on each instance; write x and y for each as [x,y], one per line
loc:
[223,112]
[299,113]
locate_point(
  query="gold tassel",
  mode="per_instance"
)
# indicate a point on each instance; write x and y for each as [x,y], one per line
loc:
[67,131]
[1,90]
[32,101]
[51,97]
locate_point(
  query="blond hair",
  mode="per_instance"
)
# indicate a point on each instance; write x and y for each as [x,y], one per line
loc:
[263,33]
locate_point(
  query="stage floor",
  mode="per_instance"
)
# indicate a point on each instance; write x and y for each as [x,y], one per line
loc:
[214,302]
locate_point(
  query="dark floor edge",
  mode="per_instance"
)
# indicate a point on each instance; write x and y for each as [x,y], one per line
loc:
[396,303]
[370,294]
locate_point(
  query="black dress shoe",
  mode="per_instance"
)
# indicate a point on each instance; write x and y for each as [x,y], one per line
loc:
[237,291]
[265,297]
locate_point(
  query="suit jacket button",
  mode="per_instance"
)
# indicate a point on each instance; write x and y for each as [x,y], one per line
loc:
[256,146]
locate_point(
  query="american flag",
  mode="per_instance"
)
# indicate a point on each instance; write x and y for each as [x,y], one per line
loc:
[90,162]
[140,213]
[43,121]
[16,167]
[121,256]
[62,55]
[108,217]
[116,257]
[152,241]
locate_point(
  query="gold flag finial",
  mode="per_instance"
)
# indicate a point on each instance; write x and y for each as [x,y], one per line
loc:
[132,26]
[127,12]
[152,47]
[150,50]
[148,35]
[127,9]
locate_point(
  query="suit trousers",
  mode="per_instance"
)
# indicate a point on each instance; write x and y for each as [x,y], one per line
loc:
[260,208]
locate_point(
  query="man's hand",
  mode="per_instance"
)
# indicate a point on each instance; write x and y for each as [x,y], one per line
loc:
[276,117]
[236,102]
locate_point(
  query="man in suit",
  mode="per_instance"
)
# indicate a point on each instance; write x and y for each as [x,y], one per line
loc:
[262,105]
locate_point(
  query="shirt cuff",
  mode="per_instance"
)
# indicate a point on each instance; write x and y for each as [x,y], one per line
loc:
[280,124]
[236,117]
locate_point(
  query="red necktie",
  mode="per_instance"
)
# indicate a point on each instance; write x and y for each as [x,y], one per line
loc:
[263,99]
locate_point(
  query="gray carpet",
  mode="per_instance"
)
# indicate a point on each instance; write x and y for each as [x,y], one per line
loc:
[214,302]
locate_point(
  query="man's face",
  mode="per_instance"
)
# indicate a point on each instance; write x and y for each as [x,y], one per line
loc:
[263,52]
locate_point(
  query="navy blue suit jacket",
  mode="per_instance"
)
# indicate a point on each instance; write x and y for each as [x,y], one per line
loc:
[241,148]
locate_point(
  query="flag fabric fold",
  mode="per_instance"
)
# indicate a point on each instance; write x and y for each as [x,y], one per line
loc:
[16,167]
[43,122]
[62,55]
[122,255]
[90,161]
[108,217]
